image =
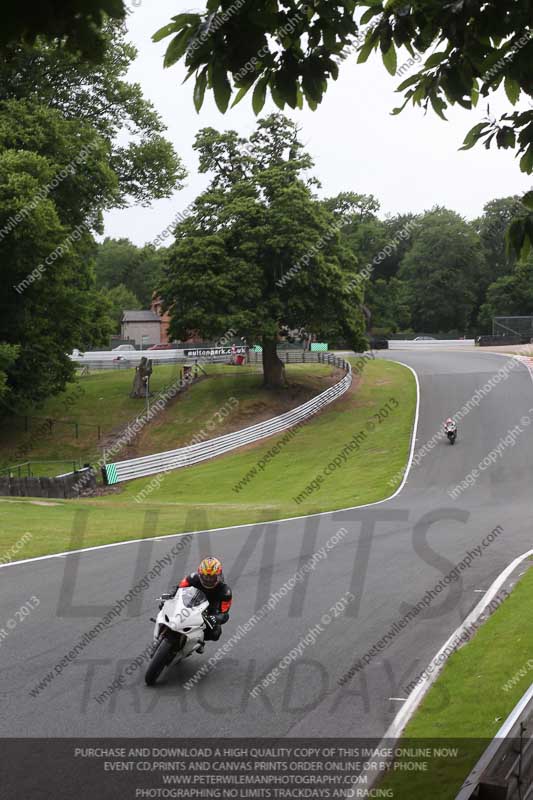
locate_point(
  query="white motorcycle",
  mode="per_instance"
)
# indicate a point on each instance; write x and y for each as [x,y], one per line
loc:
[179,630]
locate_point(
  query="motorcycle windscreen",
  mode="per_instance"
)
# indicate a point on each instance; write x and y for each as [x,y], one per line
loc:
[191,597]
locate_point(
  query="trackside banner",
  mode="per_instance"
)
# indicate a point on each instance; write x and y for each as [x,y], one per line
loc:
[201,352]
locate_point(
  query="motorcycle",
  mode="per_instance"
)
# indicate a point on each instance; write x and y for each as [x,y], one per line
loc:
[451,433]
[179,630]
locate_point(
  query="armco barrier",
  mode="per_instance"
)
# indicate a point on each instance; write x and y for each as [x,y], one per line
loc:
[289,357]
[186,456]
[505,770]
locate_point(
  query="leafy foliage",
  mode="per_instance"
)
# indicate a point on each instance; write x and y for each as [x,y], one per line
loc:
[259,254]
[509,295]
[8,356]
[147,166]
[388,302]
[49,305]
[439,272]
[492,229]
[77,23]
[60,168]
[361,229]
[118,262]
[117,300]
[293,48]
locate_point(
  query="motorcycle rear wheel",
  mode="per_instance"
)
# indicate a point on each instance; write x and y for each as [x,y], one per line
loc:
[163,655]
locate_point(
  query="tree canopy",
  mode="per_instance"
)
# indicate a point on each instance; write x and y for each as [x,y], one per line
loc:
[117,300]
[77,23]
[260,254]
[509,295]
[118,262]
[146,166]
[439,271]
[61,167]
[293,49]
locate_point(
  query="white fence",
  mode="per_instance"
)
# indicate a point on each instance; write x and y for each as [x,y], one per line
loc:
[129,359]
[428,344]
[186,456]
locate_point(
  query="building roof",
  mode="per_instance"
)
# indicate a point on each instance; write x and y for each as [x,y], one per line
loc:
[140,316]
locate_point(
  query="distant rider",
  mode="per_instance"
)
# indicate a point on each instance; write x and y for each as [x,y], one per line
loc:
[450,426]
[210,580]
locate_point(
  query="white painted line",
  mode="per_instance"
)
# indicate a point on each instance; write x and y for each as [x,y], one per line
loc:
[249,524]
[415,698]
[417,694]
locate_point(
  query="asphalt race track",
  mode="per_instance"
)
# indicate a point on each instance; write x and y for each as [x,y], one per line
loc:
[391,555]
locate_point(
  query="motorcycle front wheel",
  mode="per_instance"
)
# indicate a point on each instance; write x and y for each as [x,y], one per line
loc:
[163,655]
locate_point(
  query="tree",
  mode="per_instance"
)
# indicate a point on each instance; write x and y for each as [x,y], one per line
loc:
[8,356]
[492,227]
[60,167]
[117,300]
[388,304]
[78,23]
[499,260]
[259,253]
[361,229]
[510,295]
[147,166]
[396,231]
[49,303]
[294,49]
[118,262]
[115,259]
[439,271]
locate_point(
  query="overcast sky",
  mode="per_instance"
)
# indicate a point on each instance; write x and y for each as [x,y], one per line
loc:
[408,162]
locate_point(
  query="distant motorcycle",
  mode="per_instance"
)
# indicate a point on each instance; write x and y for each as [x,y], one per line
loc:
[451,433]
[179,630]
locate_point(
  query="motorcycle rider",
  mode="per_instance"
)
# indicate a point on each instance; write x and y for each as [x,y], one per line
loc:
[209,578]
[450,426]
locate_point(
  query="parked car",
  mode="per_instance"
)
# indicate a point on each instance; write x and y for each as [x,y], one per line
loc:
[379,343]
[163,347]
[425,339]
[128,347]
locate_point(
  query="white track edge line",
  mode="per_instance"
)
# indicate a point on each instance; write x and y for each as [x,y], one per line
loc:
[415,698]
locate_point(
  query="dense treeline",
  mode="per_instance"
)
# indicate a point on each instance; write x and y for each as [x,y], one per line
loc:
[449,275]
[62,164]
[259,253]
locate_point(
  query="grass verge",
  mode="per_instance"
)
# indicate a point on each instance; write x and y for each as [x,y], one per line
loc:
[102,399]
[203,496]
[478,688]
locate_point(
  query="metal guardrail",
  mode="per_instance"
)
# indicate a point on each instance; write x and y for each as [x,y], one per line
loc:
[186,456]
[505,770]
[289,356]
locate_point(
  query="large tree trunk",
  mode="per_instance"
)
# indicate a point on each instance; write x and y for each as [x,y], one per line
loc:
[273,369]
